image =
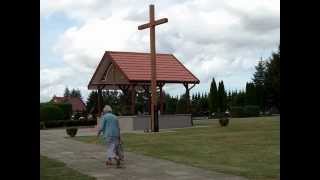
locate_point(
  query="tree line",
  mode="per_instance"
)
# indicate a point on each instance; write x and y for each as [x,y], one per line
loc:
[72,93]
[262,91]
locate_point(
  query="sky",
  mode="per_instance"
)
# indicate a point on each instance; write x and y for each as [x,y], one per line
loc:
[223,39]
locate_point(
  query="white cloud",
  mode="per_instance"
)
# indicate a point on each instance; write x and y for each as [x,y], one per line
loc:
[223,39]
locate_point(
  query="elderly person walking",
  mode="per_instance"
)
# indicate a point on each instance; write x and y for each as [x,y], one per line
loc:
[111,133]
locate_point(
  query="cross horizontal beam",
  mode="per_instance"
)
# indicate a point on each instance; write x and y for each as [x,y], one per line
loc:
[157,22]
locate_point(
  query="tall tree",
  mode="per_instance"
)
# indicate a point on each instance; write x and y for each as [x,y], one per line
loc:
[91,102]
[181,104]
[272,80]
[204,103]
[66,92]
[258,80]
[222,97]
[251,94]
[213,97]
[240,98]
[259,75]
[75,93]
[171,104]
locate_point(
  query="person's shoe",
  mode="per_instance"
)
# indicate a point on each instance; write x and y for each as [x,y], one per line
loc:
[108,163]
[118,162]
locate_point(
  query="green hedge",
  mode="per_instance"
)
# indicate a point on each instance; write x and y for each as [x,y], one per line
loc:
[66,109]
[54,124]
[252,111]
[69,123]
[50,113]
[246,111]
[237,111]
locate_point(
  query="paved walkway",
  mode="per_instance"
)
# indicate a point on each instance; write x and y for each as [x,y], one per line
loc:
[89,159]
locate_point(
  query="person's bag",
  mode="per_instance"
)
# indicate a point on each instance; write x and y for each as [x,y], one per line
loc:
[120,151]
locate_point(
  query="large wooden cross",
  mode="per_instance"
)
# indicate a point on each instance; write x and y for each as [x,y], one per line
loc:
[152,23]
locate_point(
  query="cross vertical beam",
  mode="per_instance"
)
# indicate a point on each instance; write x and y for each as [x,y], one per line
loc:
[152,23]
[153,67]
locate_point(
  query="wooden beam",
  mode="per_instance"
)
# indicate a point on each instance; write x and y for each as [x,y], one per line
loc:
[157,22]
[124,88]
[192,87]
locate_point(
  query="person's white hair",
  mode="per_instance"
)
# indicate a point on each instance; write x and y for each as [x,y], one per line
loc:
[107,108]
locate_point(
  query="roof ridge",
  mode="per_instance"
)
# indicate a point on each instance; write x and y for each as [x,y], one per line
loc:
[131,52]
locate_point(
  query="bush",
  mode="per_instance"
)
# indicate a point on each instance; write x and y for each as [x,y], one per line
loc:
[66,109]
[252,111]
[246,111]
[50,113]
[72,131]
[237,111]
[69,123]
[43,104]
[54,124]
[224,121]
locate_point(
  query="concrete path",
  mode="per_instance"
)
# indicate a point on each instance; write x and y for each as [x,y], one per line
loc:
[90,158]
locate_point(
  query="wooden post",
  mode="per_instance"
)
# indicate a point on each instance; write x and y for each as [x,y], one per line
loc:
[99,104]
[152,23]
[187,96]
[147,94]
[161,97]
[133,99]
[153,66]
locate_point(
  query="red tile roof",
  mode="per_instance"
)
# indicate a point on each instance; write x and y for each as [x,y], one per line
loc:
[136,67]
[77,103]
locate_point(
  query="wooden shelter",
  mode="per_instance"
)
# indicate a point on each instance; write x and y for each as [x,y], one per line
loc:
[131,72]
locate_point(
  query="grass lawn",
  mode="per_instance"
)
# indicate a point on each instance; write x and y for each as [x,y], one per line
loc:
[248,147]
[54,170]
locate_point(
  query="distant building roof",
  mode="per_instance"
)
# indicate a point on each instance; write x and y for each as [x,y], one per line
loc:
[76,102]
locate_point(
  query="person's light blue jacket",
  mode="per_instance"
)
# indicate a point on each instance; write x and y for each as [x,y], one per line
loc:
[109,126]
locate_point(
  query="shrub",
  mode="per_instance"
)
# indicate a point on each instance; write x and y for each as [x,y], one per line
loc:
[72,131]
[246,111]
[43,104]
[50,113]
[54,124]
[69,123]
[224,121]
[237,111]
[66,109]
[252,111]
